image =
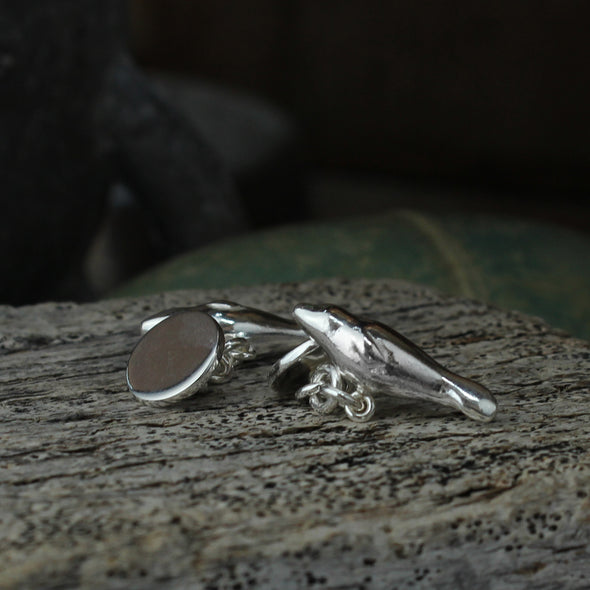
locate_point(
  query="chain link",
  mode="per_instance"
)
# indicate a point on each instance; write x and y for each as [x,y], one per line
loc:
[235,351]
[328,390]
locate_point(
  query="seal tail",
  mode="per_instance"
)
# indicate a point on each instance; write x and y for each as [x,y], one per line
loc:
[472,398]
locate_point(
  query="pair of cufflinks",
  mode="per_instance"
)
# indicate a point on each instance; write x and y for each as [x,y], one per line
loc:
[327,355]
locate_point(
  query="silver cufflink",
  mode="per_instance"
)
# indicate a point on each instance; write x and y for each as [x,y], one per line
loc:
[330,357]
[184,349]
[347,361]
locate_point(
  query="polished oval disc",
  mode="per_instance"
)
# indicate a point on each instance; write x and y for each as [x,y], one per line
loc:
[175,358]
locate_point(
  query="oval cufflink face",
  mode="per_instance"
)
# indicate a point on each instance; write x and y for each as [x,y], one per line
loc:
[175,358]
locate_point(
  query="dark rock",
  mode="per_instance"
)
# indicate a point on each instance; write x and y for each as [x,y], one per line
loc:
[261,145]
[52,174]
[75,116]
[182,182]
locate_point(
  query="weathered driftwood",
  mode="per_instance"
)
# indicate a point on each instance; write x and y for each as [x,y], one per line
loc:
[238,488]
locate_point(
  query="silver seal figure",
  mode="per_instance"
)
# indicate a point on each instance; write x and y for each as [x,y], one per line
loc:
[363,358]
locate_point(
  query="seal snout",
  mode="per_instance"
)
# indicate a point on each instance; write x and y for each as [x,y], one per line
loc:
[308,315]
[314,319]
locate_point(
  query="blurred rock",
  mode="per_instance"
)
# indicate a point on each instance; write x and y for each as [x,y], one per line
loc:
[53,175]
[259,143]
[75,118]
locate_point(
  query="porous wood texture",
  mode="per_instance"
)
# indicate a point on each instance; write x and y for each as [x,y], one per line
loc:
[239,488]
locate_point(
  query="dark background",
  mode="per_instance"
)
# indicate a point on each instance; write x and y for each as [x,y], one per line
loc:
[488,96]
[130,133]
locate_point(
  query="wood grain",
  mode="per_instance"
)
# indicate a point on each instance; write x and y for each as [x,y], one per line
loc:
[240,489]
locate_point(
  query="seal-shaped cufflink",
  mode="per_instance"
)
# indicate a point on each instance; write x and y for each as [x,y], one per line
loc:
[349,360]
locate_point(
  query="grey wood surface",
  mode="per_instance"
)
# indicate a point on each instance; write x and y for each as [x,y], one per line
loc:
[239,488]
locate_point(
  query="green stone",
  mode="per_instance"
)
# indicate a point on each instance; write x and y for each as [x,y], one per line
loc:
[534,267]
